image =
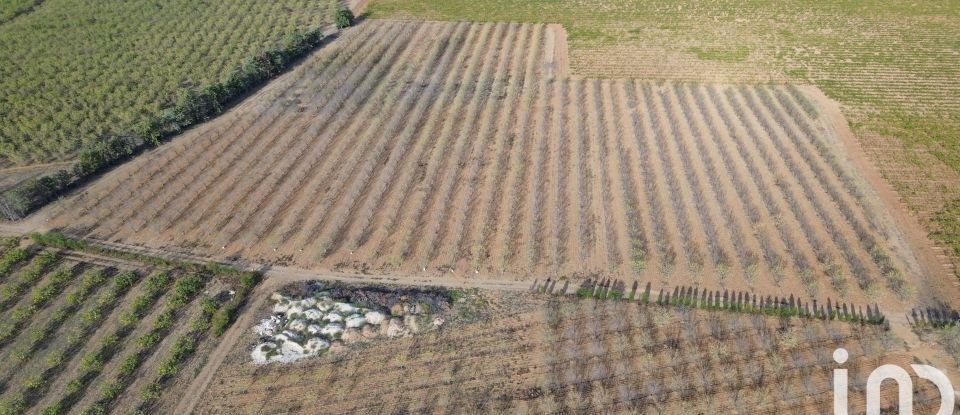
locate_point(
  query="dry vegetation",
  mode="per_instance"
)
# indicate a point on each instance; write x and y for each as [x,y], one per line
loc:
[550,355]
[89,334]
[893,65]
[487,163]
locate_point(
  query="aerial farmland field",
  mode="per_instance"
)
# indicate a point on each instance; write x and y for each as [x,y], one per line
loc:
[492,164]
[508,206]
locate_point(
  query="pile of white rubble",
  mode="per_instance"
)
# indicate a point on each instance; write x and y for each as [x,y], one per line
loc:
[306,327]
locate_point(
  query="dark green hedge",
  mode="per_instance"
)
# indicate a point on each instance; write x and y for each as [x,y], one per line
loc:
[344,18]
[193,106]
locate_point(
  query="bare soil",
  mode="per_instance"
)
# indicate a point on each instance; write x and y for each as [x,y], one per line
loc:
[492,165]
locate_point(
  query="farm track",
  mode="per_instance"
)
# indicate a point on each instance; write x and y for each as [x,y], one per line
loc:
[362,158]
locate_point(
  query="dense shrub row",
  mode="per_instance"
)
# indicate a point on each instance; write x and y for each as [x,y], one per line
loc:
[39,336]
[184,290]
[40,296]
[243,281]
[192,107]
[183,348]
[11,258]
[10,293]
[93,362]
[215,318]
[8,243]
[225,316]
[35,386]
[737,301]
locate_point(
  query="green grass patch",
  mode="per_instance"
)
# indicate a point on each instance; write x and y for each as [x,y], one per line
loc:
[738,54]
[948,232]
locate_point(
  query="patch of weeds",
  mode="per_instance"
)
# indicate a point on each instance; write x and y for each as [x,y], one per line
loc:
[738,54]
[948,229]
[457,294]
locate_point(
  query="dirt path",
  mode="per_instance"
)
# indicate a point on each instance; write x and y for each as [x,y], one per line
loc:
[32,167]
[558,60]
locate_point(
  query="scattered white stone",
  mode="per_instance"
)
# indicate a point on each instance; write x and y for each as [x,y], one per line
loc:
[313,314]
[307,327]
[290,352]
[292,336]
[396,328]
[374,317]
[345,308]
[291,347]
[411,322]
[298,325]
[294,311]
[268,326]
[317,344]
[259,353]
[331,329]
[355,320]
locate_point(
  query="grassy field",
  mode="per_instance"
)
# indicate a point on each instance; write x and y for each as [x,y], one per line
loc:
[73,71]
[10,9]
[895,66]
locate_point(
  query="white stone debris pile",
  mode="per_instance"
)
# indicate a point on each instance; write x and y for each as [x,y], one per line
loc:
[309,326]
